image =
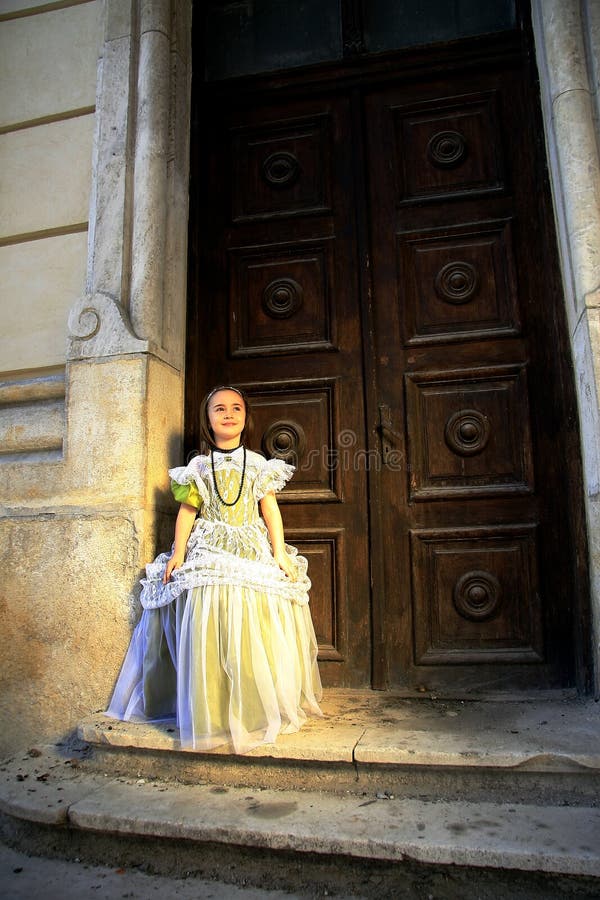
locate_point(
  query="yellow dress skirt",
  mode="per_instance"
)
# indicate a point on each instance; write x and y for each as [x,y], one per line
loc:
[228,646]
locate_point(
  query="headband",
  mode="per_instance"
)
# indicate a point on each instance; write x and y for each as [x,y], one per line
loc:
[224,387]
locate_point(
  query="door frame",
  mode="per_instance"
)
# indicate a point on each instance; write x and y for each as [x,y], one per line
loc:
[353,77]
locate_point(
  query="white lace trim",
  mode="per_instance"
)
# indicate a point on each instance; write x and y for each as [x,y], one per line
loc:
[274,476]
[224,554]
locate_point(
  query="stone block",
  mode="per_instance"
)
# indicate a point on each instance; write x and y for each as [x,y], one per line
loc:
[64,615]
[593,522]
[45,176]
[41,281]
[586,359]
[29,428]
[124,430]
[107,405]
[165,426]
[32,416]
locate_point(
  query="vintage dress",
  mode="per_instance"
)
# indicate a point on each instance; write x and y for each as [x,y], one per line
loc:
[228,645]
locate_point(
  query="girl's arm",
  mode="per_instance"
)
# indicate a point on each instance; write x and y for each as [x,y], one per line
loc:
[183,527]
[272,516]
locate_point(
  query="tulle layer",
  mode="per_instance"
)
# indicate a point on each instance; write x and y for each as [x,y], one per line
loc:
[247,668]
[232,664]
[147,684]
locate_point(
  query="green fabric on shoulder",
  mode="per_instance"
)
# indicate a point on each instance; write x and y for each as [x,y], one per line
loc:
[187,493]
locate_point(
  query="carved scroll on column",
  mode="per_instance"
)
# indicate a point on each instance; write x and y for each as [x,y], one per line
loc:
[99,326]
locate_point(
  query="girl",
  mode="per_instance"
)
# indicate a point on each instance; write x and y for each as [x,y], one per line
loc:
[225,642]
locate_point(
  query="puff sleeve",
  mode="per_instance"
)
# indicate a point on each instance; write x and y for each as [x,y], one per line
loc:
[187,485]
[273,476]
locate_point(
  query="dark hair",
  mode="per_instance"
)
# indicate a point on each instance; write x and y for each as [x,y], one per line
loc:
[206,432]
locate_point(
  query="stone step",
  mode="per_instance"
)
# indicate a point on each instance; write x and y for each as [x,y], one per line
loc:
[51,787]
[538,751]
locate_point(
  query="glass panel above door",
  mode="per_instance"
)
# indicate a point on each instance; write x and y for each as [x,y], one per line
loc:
[245,37]
[249,37]
[394,24]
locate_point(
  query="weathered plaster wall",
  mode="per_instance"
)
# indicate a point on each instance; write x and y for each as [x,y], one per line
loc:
[48,63]
[48,85]
[568,51]
[93,405]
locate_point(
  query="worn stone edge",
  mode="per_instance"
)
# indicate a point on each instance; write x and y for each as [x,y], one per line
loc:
[300,840]
[88,809]
[98,731]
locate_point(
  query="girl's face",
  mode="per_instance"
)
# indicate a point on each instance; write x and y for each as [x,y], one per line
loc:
[227,418]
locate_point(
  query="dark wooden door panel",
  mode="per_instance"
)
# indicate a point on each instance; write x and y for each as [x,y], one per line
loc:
[296,420]
[466,527]
[279,296]
[476,596]
[468,433]
[328,566]
[282,298]
[458,283]
[447,147]
[281,167]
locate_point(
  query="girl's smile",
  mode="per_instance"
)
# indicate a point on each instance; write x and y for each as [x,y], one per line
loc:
[227,418]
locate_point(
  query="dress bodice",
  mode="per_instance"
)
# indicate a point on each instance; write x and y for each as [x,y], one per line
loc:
[195,484]
[229,471]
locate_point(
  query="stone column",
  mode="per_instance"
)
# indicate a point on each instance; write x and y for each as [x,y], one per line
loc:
[138,217]
[567,35]
[150,170]
[131,320]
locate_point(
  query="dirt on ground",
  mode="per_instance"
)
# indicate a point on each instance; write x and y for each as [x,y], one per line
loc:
[241,874]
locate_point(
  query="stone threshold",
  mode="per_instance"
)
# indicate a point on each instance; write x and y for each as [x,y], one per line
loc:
[366,727]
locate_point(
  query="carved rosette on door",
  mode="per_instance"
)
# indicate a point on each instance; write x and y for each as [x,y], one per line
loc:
[285,439]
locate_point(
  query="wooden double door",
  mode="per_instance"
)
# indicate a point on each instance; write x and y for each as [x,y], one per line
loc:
[372,260]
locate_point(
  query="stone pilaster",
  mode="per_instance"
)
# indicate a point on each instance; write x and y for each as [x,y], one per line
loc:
[567,34]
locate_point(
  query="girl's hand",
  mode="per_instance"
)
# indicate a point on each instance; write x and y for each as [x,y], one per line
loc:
[173,563]
[272,517]
[286,564]
[183,528]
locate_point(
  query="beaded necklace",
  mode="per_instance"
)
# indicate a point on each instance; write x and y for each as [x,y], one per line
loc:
[212,463]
